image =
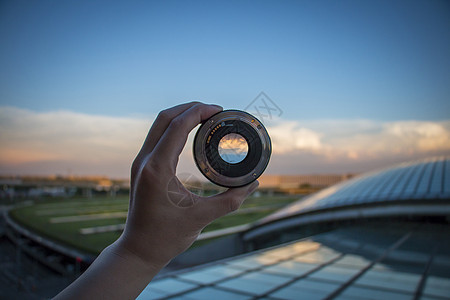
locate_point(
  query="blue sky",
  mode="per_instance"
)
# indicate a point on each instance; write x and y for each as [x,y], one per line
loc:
[366,62]
[386,60]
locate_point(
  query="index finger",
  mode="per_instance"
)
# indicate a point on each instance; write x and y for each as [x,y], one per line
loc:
[161,123]
[174,138]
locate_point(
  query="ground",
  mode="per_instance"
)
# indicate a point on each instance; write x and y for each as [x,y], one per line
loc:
[62,219]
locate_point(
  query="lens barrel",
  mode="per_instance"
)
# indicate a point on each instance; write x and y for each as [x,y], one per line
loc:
[209,147]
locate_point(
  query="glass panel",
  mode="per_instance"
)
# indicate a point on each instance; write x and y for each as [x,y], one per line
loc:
[405,282]
[361,190]
[447,177]
[397,176]
[436,183]
[411,185]
[379,182]
[437,286]
[320,256]
[254,261]
[223,269]
[332,273]
[148,294]
[254,283]
[252,287]
[422,188]
[292,293]
[406,267]
[398,188]
[303,247]
[354,292]
[291,268]
[287,251]
[211,274]
[264,277]
[169,286]
[209,293]
[382,184]
[343,191]
[347,191]
[316,285]
[281,253]
[354,261]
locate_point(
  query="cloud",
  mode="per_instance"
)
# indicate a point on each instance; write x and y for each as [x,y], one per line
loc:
[290,136]
[353,145]
[421,136]
[360,138]
[62,142]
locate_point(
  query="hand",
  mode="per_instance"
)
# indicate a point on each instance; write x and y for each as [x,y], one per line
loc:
[165,218]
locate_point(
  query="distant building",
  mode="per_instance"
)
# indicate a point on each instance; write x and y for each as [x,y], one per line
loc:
[297,184]
[13,187]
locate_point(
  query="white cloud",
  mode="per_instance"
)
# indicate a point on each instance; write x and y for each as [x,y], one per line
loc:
[422,136]
[68,142]
[290,136]
[63,141]
[354,145]
[360,138]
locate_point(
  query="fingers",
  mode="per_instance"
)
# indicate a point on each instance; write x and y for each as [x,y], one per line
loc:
[161,123]
[221,204]
[172,142]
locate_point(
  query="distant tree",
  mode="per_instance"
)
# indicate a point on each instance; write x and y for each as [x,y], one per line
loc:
[305,186]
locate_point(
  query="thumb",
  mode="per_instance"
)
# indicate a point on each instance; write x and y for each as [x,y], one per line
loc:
[221,204]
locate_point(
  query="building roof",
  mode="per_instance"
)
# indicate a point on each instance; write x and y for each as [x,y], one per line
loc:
[372,258]
[367,262]
[423,181]
[415,188]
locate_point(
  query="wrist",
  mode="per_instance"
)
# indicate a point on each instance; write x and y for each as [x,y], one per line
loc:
[126,250]
[106,276]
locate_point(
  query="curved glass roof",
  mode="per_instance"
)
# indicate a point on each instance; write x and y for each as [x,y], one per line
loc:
[376,261]
[426,181]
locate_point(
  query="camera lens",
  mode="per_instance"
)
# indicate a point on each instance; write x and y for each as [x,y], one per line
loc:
[232,148]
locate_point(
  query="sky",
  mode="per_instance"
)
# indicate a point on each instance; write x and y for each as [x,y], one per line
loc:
[357,84]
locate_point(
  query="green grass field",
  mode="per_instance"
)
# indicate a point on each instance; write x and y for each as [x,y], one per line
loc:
[47,218]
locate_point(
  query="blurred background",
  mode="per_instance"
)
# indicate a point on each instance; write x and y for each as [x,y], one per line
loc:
[360,84]
[343,88]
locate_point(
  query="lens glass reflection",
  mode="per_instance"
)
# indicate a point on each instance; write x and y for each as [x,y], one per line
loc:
[233,148]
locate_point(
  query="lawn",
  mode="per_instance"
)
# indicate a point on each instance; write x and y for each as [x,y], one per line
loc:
[44,218]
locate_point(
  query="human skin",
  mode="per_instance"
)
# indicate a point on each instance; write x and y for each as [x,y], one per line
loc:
[164,218]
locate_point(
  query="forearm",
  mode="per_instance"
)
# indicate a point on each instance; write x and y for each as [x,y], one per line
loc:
[115,274]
